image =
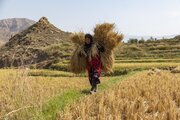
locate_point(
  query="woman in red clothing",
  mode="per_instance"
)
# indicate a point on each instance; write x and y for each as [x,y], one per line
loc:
[94,64]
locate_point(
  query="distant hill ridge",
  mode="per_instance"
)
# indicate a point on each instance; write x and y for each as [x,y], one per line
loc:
[12,26]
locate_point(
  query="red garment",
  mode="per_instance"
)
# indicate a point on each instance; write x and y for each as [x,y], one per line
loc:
[95,63]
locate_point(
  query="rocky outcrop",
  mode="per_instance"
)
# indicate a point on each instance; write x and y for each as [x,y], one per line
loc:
[34,46]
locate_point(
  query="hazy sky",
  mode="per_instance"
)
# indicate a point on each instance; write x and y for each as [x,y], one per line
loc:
[133,17]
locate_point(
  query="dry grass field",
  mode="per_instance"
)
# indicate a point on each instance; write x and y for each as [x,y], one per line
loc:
[24,97]
[145,66]
[144,96]
[47,94]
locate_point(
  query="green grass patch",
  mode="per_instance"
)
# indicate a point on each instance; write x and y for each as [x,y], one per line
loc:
[50,73]
[59,102]
[147,60]
[144,66]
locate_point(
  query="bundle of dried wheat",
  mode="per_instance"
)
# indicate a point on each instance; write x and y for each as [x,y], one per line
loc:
[77,63]
[107,37]
[78,38]
[104,35]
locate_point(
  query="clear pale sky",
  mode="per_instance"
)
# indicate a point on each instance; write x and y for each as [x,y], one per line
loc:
[133,17]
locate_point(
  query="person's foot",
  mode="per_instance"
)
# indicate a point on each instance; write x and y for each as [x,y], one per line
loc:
[96,89]
[92,88]
[92,92]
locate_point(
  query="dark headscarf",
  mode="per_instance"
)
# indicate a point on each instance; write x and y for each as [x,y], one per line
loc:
[89,36]
[88,46]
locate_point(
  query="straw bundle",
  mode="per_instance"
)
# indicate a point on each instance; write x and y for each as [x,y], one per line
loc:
[106,36]
[78,64]
[78,38]
[107,59]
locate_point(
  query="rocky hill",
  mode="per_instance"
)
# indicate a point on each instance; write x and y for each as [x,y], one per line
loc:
[39,46]
[12,26]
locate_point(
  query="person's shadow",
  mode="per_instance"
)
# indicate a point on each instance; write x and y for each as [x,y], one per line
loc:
[85,91]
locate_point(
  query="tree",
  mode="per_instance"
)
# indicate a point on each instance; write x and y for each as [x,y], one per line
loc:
[132,40]
[141,40]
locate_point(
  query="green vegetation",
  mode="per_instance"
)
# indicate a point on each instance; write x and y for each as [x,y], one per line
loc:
[58,103]
[147,60]
[150,49]
[50,73]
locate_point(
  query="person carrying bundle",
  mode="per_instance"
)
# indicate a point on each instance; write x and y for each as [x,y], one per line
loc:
[95,53]
[93,65]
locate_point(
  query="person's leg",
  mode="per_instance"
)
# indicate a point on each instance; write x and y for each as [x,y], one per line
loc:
[96,82]
[90,81]
[94,79]
[94,87]
[90,78]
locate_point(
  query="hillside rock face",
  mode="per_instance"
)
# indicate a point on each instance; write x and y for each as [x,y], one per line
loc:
[12,26]
[34,45]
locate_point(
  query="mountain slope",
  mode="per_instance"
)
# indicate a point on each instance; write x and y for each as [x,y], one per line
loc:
[39,43]
[11,26]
